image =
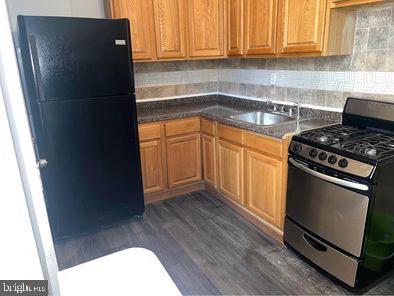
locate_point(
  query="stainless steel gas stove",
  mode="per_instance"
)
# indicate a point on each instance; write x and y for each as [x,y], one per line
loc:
[340,200]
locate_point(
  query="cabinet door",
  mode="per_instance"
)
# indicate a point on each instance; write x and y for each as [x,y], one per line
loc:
[263,186]
[152,166]
[231,170]
[260,26]
[206,28]
[170,27]
[301,25]
[209,159]
[183,160]
[235,23]
[140,14]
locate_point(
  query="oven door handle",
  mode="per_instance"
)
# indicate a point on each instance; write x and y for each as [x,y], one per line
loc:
[349,184]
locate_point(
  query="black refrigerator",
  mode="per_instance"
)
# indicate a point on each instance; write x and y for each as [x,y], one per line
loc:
[79,90]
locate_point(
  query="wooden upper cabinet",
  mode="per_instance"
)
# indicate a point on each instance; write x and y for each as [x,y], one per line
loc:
[206,28]
[260,26]
[139,13]
[235,27]
[301,26]
[170,28]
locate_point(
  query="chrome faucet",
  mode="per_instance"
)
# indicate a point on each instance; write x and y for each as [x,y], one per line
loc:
[291,113]
[271,106]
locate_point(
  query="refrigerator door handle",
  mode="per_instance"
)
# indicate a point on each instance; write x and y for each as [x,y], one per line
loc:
[36,67]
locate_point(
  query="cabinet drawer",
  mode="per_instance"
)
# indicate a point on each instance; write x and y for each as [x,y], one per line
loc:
[183,126]
[264,144]
[230,133]
[149,131]
[208,127]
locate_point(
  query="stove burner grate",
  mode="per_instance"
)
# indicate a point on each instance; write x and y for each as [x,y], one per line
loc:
[373,146]
[364,142]
[332,135]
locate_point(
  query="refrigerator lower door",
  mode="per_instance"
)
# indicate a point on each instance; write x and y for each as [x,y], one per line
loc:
[93,175]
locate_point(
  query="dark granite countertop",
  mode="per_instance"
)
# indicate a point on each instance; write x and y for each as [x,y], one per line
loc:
[220,109]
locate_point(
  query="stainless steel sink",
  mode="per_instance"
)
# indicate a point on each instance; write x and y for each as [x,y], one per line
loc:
[262,118]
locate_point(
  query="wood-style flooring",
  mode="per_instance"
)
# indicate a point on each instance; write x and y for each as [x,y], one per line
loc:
[207,248]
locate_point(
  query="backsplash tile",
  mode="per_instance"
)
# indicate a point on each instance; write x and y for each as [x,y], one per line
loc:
[380,17]
[378,38]
[319,81]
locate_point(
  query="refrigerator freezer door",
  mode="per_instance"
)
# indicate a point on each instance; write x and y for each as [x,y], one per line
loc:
[72,58]
[93,174]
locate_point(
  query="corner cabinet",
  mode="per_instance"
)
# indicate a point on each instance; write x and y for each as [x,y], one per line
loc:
[208,147]
[139,13]
[183,160]
[206,27]
[301,25]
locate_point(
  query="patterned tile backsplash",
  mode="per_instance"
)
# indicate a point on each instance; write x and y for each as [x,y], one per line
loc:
[321,82]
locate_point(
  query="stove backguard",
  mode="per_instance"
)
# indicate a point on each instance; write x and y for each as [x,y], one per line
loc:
[366,113]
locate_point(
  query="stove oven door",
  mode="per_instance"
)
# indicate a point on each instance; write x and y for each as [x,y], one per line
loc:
[335,209]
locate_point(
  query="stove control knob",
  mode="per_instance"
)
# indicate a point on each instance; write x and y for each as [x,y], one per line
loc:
[323,156]
[332,159]
[313,153]
[297,147]
[343,163]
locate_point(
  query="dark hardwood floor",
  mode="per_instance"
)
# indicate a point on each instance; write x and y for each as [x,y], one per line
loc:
[207,248]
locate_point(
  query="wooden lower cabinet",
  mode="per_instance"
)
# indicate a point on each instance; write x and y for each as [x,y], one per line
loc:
[264,186]
[152,166]
[183,160]
[231,170]
[209,159]
[247,170]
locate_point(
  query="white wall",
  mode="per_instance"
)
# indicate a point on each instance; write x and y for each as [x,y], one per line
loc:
[82,8]
[18,252]
[31,199]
